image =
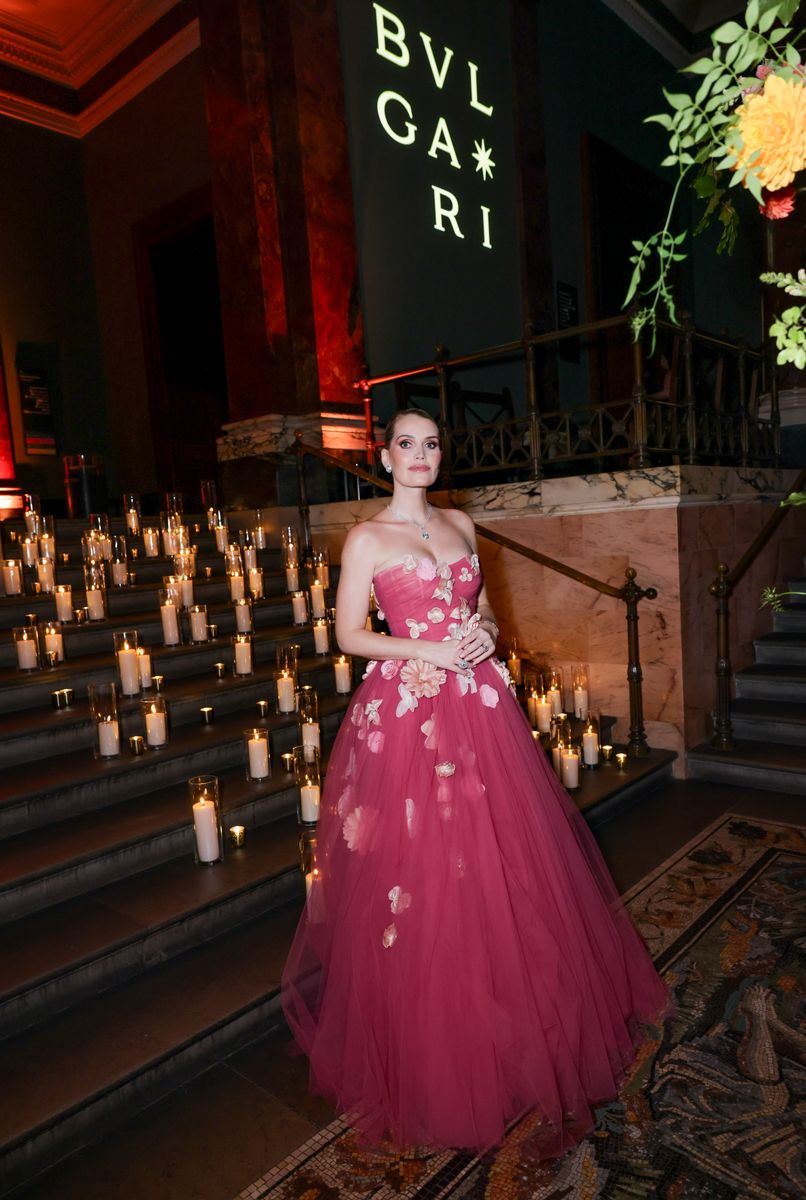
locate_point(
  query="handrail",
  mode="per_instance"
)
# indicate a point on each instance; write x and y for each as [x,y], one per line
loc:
[721,589]
[629,592]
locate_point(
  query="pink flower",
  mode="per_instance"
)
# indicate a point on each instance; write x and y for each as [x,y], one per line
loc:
[390,668]
[422,678]
[444,770]
[777,204]
[426,568]
[489,696]
[358,827]
[357,715]
[763,70]
[375,741]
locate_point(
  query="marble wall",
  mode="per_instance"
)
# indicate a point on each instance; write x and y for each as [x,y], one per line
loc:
[672,525]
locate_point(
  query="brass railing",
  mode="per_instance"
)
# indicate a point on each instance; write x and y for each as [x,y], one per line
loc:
[679,425]
[630,593]
[722,589]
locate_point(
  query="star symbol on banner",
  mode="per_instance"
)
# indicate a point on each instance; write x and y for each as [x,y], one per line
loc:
[483,157]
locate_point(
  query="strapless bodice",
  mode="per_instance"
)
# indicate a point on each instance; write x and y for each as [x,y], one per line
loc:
[423,598]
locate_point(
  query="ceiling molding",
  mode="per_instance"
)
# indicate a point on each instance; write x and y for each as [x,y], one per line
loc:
[653,31]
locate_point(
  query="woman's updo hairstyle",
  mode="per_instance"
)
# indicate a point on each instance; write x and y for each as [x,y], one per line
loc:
[389,431]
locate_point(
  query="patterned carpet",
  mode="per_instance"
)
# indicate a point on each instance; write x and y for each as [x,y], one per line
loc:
[715,1105]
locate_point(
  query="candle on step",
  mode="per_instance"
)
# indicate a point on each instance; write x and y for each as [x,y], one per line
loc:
[12,577]
[169,614]
[242,654]
[514,665]
[26,643]
[321,636]
[284,681]
[256,582]
[144,667]
[555,698]
[108,737]
[198,623]
[156,721]
[95,604]
[236,586]
[63,595]
[53,639]
[342,668]
[317,599]
[204,790]
[257,754]
[543,711]
[590,747]
[28,548]
[310,736]
[292,579]
[128,669]
[151,542]
[309,800]
[299,608]
[570,767]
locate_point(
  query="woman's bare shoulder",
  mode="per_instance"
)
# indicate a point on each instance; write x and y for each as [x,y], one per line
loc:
[366,537]
[459,519]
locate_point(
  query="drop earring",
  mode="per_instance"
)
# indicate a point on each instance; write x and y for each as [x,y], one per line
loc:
[388,470]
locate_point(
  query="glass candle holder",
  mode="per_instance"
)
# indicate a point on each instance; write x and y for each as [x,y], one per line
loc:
[174,503]
[258,756]
[243,616]
[554,691]
[292,579]
[185,563]
[321,565]
[53,640]
[172,585]
[236,585]
[248,551]
[590,743]
[128,664]
[259,535]
[95,589]
[12,577]
[169,615]
[63,595]
[286,688]
[607,753]
[299,608]
[29,549]
[310,736]
[155,720]
[206,808]
[104,710]
[308,780]
[581,693]
[288,658]
[144,667]
[621,760]
[289,539]
[98,523]
[119,561]
[221,533]
[199,628]
[47,537]
[209,494]
[242,654]
[307,703]
[570,767]
[32,509]
[515,663]
[185,590]
[131,510]
[321,636]
[256,582]
[26,645]
[151,542]
[343,670]
[317,591]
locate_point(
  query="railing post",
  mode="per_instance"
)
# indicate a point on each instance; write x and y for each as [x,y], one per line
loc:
[369,424]
[721,589]
[631,594]
[689,398]
[441,372]
[640,458]
[302,493]
[535,445]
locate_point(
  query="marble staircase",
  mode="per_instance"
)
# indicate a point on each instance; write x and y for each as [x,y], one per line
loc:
[126,969]
[768,712]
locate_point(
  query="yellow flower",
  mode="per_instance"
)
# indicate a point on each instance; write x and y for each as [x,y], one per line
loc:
[773,122]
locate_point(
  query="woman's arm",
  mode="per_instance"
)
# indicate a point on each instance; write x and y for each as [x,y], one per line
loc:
[479,644]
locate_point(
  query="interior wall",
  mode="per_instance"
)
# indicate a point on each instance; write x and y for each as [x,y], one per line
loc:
[146,155]
[47,293]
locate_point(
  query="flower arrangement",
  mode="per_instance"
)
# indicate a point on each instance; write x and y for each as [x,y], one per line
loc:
[745,125]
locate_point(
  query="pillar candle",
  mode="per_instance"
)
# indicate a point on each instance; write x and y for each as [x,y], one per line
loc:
[170,624]
[31,521]
[243,618]
[221,538]
[515,668]
[44,574]
[321,639]
[317,599]
[120,573]
[26,654]
[198,626]
[243,658]
[151,542]
[95,604]
[341,668]
[236,587]
[291,578]
[556,700]
[258,757]
[256,582]
[543,710]
[186,592]
[249,558]
[29,551]
[129,670]
[156,729]
[12,577]
[64,602]
[309,802]
[54,642]
[47,545]
[299,608]
[570,769]
[133,521]
[580,702]
[169,546]
[556,760]
[310,735]
[285,693]
[108,737]
[205,827]
[590,748]
[144,667]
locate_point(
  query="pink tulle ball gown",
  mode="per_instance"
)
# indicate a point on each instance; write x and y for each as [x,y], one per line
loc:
[463,957]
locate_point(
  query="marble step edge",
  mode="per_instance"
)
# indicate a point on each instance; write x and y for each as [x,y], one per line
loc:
[768,687]
[132,854]
[739,773]
[62,1133]
[181,927]
[54,732]
[772,652]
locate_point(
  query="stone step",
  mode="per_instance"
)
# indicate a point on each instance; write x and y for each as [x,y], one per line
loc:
[792,619]
[781,648]
[55,958]
[769,721]
[775,768]
[70,1079]
[770,681]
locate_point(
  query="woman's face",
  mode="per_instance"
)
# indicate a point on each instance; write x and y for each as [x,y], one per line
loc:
[414,453]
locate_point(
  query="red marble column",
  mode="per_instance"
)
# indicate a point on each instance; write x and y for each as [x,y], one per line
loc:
[282,204]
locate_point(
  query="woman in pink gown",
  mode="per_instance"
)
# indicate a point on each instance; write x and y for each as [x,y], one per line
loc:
[463,957]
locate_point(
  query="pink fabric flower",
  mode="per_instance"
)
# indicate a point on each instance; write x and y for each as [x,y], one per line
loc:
[777,204]
[444,770]
[390,668]
[375,741]
[489,696]
[422,678]
[426,568]
[357,828]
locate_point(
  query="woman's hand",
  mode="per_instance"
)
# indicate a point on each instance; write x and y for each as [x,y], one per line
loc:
[447,655]
[476,646]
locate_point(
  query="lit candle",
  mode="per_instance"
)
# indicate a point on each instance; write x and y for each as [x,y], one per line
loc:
[133,521]
[621,759]
[12,577]
[129,670]
[26,653]
[285,693]
[151,542]
[156,727]
[243,658]
[590,748]
[341,668]
[258,748]
[28,547]
[95,604]
[108,737]
[63,595]
[555,699]
[54,642]
[310,736]
[205,827]
[580,702]
[44,574]
[309,802]
[291,578]
[236,587]
[170,624]
[47,545]
[557,759]
[144,667]
[221,538]
[198,624]
[186,592]
[321,637]
[243,616]
[317,599]
[256,582]
[249,558]
[543,711]
[515,668]
[169,542]
[299,608]
[120,573]
[570,769]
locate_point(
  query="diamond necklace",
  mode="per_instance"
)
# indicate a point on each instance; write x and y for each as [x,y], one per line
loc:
[424,534]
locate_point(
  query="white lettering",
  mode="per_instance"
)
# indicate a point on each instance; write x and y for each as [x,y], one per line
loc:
[439,73]
[485,223]
[391,36]
[449,211]
[487,109]
[442,141]
[384,99]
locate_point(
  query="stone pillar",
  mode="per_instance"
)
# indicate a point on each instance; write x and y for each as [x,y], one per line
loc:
[282,204]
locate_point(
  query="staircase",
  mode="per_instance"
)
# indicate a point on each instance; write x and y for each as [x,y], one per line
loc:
[126,969]
[768,713]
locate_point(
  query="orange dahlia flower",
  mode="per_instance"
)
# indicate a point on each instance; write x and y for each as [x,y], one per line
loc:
[773,122]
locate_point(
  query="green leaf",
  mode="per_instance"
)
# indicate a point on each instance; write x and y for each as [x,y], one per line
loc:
[767,19]
[678,100]
[700,66]
[669,161]
[660,119]
[753,185]
[733,52]
[728,32]
[792,56]
[778,35]
[752,14]
[704,186]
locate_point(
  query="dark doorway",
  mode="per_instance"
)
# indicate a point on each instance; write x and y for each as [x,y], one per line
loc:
[178,283]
